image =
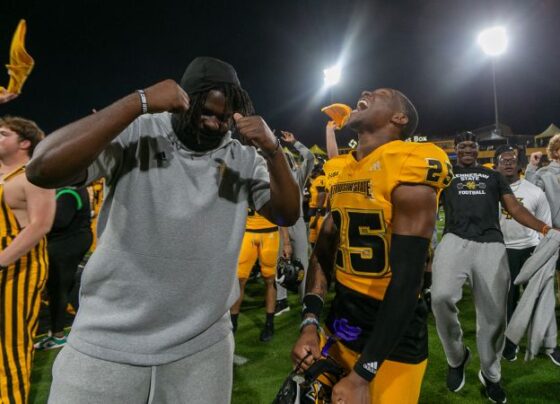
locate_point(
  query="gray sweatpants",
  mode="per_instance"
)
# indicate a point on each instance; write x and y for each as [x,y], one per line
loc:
[300,251]
[205,377]
[485,266]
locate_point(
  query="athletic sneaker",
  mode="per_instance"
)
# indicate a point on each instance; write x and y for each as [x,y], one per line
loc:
[494,391]
[267,332]
[50,342]
[456,376]
[555,356]
[510,351]
[281,307]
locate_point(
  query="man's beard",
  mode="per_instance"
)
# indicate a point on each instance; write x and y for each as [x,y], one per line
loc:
[195,138]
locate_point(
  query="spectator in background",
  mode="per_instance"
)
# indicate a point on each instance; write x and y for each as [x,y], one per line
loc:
[520,241]
[26,215]
[297,232]
[318,188]
[473,249]
[68,241]
[317,202]
[330,138]
[548,179]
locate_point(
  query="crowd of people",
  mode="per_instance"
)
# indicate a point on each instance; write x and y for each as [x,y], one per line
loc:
[199,191]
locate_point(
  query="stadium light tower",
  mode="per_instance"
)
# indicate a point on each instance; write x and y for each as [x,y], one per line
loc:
[493,42]
[331,77]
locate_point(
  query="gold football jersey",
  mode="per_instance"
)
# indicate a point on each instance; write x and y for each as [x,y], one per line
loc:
[332,169]
[361,208]
[317,185]
[257,222]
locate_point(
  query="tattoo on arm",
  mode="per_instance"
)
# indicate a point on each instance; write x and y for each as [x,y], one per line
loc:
[316,279]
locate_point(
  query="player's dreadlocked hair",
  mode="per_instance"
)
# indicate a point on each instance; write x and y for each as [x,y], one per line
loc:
[410,111]
[201,76]
[237,100]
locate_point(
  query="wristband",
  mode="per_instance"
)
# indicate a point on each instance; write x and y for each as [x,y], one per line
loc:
[143,101]
[270,155]
[312,304]
[309,321]
[546,228]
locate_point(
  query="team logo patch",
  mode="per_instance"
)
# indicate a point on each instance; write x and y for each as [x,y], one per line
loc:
[375,166]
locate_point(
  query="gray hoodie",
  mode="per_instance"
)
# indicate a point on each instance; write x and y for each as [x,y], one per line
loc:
[163,277]
[548,179]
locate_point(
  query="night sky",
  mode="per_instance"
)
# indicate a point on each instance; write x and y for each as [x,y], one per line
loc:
[89,53]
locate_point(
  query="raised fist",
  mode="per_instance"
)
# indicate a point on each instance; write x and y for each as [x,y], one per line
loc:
[535,158]
[166,95]
[256,132]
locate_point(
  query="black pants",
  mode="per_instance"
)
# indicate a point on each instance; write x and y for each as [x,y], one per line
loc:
[65,254]
[516,259]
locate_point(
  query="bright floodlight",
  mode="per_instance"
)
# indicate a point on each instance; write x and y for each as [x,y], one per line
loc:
[493,41]
[332,75]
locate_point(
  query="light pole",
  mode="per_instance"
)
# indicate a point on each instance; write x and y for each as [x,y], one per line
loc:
[493,42]
[331,77]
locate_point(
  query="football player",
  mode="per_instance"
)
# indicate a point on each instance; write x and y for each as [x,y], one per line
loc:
[317,203]
[375,239]
[261,241]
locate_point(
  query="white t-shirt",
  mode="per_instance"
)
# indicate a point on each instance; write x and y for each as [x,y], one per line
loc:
[517,236]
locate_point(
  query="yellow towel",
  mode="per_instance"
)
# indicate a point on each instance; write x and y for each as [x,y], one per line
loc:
[339,113]
[21,63]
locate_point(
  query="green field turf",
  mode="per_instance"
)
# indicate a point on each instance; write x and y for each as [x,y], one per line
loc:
[258,380]
[268,364]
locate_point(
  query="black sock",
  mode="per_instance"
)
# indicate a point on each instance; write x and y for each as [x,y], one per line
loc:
[427,280]
[233,318]
[270,318]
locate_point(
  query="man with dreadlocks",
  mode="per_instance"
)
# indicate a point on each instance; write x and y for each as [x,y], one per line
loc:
[153,324]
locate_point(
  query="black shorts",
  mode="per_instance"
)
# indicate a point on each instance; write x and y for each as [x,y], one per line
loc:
[558,264]
[361,311]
